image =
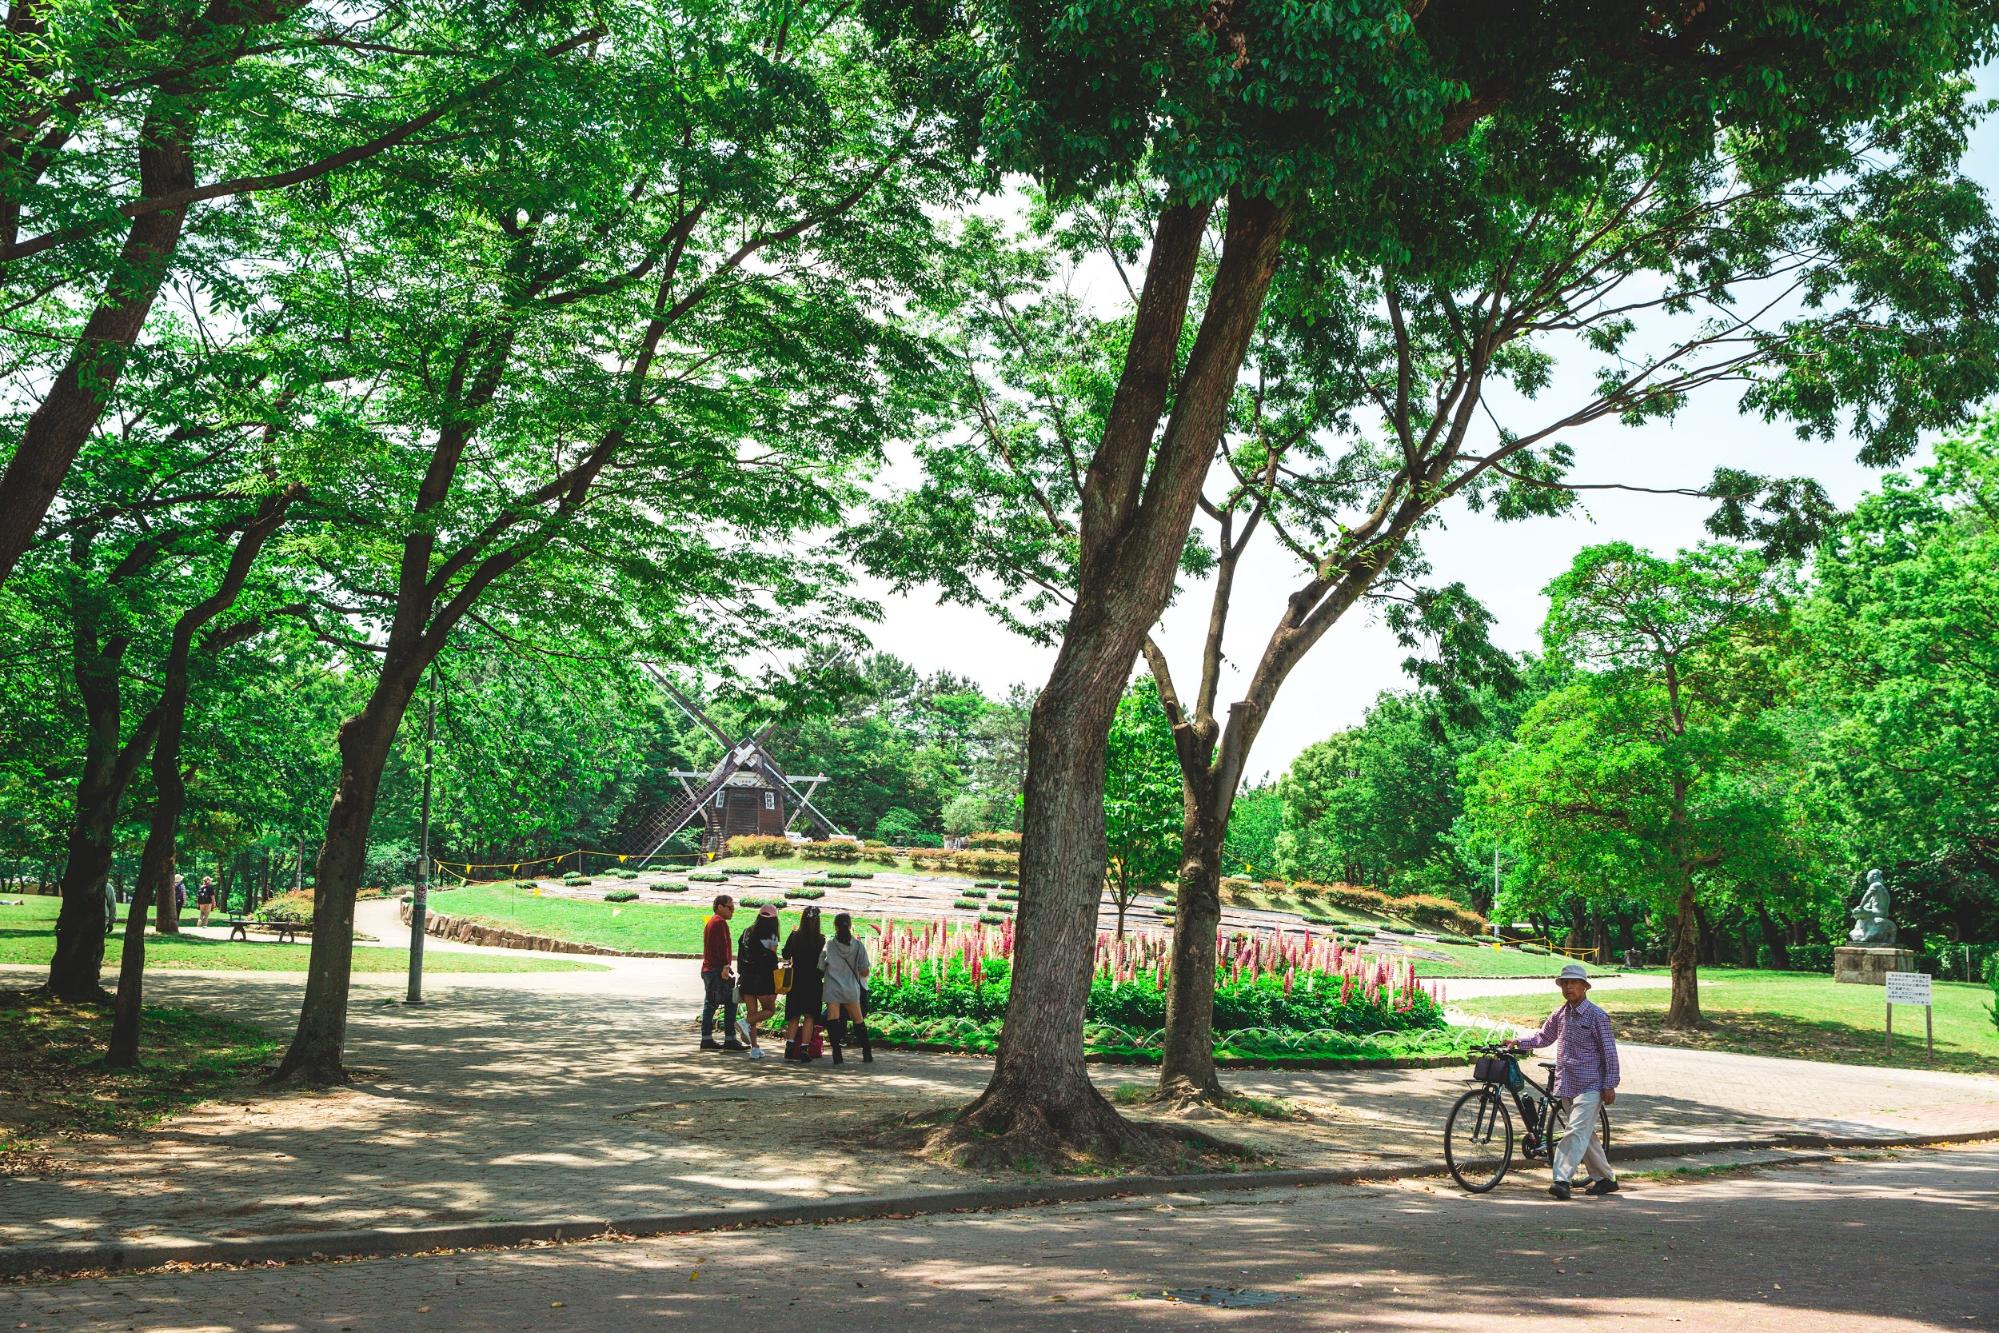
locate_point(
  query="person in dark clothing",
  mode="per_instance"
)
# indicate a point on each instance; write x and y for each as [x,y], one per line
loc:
[756,965]
[718,978]
[808,987]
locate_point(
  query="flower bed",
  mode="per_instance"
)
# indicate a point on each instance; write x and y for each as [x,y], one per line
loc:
[1298,996]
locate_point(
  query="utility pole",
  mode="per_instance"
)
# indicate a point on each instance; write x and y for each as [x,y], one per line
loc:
[420,900]
[1495,874]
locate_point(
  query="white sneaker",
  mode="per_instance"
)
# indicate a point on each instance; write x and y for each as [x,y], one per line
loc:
[757,1053]
[743,1030]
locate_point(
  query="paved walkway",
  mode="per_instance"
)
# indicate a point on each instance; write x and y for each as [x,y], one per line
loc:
[1889,1246]
[548,1095]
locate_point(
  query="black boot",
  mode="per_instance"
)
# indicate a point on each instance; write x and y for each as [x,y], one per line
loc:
[835,1030]
[791,1050]
[861,1036]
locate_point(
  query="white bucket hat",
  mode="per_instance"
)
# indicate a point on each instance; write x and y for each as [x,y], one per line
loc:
[1574,972]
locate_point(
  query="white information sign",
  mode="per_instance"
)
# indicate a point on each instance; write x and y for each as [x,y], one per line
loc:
[1908,988]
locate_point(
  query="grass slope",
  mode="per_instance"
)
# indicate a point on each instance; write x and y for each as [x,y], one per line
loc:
[1794,1015]
[645,926]
[27,935]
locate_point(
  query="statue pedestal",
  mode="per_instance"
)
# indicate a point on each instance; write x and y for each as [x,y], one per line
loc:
[1870,964]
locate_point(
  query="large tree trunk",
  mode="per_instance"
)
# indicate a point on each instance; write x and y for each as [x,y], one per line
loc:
[107,770]
[79,955]
[1187,1065]
[319,1046]
[1041,1097]
[1137,507]
[156,863]
[1684,1010]
[69,411]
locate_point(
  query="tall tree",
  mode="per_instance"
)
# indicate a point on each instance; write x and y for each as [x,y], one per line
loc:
[1247,112]
[1371,386]
[1658,773]
[643,325]
[1141,799]
[114,115]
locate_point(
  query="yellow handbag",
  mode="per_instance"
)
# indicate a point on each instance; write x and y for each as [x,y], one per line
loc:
[784,977]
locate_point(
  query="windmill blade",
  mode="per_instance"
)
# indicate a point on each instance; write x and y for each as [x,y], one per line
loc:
[687,706]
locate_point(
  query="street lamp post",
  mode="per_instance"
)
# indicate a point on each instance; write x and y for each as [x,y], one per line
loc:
[420,900]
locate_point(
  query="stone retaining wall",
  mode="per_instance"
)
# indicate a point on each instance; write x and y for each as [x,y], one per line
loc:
[467,931]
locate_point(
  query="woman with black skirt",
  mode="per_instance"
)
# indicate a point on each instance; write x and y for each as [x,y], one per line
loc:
[807,995]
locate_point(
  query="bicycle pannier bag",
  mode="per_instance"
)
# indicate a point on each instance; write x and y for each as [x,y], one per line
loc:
[1489,1069]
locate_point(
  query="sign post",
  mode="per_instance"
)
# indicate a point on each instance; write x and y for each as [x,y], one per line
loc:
[1911,988]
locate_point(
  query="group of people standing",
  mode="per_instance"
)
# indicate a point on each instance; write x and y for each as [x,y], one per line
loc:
[823,981]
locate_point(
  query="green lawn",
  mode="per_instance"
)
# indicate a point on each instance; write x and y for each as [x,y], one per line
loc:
[54,1080]
[1473,960]
[27,935]
[645,926]
[1796,1015]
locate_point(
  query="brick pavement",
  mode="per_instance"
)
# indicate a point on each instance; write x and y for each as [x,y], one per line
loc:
[531,1096]
[1891,1246]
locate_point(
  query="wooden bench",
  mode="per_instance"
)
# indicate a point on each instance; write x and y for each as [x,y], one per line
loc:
[286,931]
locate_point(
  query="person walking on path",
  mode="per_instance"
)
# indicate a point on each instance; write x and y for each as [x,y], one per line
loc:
[718,978]
[1585,1075]
[807,995]
[844,963]
[756,965]
[180,897]
[204,897]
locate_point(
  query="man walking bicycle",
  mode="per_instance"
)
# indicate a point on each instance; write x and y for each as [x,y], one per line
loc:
[1585,1074]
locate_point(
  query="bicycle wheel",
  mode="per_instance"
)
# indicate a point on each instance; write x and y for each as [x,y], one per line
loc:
[1478,1140]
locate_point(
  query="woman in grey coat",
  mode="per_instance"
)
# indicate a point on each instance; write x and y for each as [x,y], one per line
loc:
[844,964]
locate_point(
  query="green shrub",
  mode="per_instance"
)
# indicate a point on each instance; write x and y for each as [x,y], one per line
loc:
[761,902]
[707,877]
[992,919]
[1533,948]
[1350,896]
[840,881]
[674,887]
[969,905]
[1008,895]
[572,876]
[575,883]
[857,874]
[295,907]
[1437,913]
[769,848]
[1315,919]
[995,841]
[805,894]
[973,892]
[1004,909]
[622,896]
[985,883]
[1811,957]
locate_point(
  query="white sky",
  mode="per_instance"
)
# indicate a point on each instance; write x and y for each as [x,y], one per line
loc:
[1505,565]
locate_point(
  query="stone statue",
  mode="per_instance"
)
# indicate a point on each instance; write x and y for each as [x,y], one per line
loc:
[1870,920]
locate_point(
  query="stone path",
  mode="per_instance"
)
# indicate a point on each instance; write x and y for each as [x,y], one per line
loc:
[541,1095]
[1889,1246]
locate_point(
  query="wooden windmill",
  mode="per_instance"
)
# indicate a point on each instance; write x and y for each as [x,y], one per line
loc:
[746,793]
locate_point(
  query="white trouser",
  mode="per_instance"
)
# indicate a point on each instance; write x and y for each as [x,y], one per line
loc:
[1579,1145]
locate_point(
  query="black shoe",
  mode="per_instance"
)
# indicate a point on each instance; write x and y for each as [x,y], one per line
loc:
[1560,1189]
[733,1046]
[711,1045]
[791,1050]
[1601,1187]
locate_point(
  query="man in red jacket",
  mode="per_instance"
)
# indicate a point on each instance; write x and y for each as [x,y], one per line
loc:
[718,978]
